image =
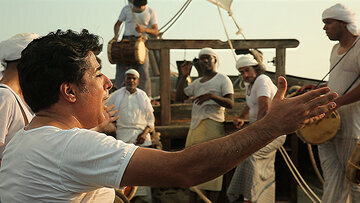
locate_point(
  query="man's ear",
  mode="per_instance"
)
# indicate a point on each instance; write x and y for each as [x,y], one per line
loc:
[68,92]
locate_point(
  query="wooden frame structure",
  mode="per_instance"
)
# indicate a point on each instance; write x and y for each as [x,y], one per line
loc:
[165,45]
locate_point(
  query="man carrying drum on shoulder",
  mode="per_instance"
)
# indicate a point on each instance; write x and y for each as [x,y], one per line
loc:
[140,20]
[340,25]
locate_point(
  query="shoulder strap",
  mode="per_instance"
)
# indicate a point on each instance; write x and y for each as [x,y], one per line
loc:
[26,121]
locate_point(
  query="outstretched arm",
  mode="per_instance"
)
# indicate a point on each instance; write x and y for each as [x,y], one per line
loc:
[208,160]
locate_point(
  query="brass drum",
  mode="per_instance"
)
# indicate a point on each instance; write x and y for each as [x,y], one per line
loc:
[320,131]
[353,167]
[127,51]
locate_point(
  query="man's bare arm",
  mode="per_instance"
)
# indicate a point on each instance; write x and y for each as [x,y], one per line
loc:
[350,97]
[264,105]
[116,30]
[205,161]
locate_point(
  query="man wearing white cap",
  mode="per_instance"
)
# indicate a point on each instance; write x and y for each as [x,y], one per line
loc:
[254,178]
[213,93]
[340,25]
[136,119]
[14,112]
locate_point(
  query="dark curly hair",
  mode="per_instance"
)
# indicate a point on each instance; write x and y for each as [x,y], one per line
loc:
[139,3]
[51,60]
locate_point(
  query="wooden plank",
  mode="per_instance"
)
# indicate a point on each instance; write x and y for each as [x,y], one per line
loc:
[280,62]
[165,86]
[154,64]
[217,44]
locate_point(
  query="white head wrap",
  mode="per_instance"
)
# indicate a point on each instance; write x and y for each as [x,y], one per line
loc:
[343,13]
[132,71]
[10,50]
[246,60]
[211,52]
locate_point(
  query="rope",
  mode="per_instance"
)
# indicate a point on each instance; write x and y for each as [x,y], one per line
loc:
[313,162]
[201,195]
[296,174]
[227,35]
[175,17]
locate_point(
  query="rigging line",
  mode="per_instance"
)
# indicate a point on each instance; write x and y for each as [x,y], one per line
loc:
[292,168]
[313,162]
[176,18]
[181,10]
[227,34]
[296,178]
[292,164]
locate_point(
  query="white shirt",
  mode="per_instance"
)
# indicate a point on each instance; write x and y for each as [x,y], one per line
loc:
[147,18]
[48,164]
[135,113]
[340,79]
[220,85]
[12,119]
[263,86]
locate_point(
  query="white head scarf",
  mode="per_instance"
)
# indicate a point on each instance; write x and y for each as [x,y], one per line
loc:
[10,50]
[246,60]
[211,52]
[132,71]
[343,13]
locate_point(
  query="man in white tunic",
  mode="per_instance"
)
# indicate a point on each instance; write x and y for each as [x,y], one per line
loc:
[340,25]
[136,118]
[213,93]
[56,159]
[14,112]
[254,178]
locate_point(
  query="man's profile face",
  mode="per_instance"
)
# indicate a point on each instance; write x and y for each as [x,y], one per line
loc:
[207,62]
[131,82]
[334,28]
[248,74]
[95,91]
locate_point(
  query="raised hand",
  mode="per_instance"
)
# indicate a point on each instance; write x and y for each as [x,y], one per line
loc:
[186,68]
[289,114]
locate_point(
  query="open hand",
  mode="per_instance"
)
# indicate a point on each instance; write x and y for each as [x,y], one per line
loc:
[289,114]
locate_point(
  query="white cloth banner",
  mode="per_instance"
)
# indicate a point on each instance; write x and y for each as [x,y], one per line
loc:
[225,4]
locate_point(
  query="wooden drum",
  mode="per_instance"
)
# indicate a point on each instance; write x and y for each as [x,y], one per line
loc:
[127,51]
[320,131]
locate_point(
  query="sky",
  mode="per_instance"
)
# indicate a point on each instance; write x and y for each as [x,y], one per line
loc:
[259,19]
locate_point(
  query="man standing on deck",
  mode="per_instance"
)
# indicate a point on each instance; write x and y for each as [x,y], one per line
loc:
[140,21]
[340,26]
[254,178]
[213,93]
[136,119]
[56,159]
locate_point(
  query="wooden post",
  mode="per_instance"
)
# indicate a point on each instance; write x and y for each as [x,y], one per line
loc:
[165,86]
[280,62]
[154,63]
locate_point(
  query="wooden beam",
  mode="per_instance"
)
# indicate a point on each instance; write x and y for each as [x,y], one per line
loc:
[217,44]
[280,62]
[165,86]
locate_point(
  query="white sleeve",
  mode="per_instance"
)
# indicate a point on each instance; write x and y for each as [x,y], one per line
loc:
[153,18]
[190,90]
[122,16]
[262,87]
[94,160]
[227,87]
